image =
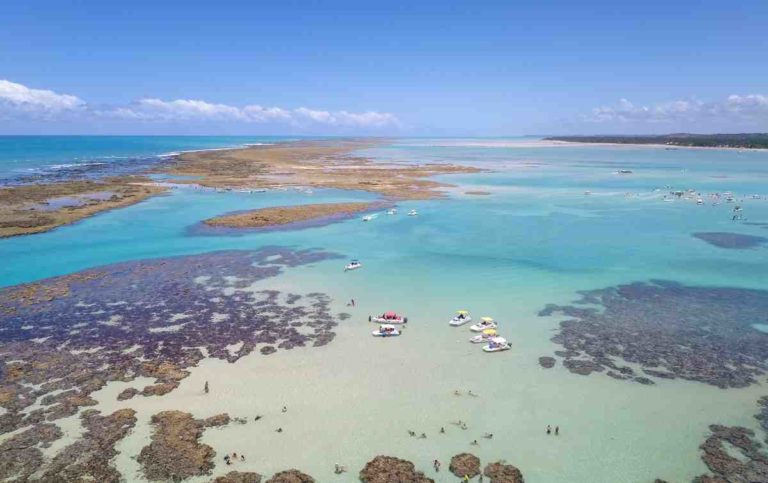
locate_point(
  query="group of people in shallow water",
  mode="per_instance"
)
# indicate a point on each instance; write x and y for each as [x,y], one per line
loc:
[557,430]
[231,459]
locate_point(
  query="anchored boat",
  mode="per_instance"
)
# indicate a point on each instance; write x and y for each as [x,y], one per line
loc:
[484,337]
[485,323]
[461,318]
[388,318]
[386,330]
[413,213]
[497,344]
[353,265]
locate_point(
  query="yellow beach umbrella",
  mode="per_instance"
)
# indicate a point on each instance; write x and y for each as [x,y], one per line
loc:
[487,319]
[489,332]
[465,312]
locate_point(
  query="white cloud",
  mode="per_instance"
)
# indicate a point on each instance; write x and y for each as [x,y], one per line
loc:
[21,100]
[735,108]
[17,99]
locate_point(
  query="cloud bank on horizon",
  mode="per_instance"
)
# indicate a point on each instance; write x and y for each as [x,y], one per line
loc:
[752,108]
[18,101]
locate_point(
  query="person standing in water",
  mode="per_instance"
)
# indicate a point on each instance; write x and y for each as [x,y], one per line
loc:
[206,387]
[549,429]
[557,430]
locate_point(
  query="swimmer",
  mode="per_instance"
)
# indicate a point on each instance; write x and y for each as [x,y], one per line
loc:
[474,443]
[464,426]
[423,436]
[258,416]
[242,457]
[285,409]
[279,430]
[557,430]
[472,394]
[488,436]
[442,430]
[457,392]
[436,465]
[411,433]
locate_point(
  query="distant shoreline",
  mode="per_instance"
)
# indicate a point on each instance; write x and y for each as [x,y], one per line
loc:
[752,141]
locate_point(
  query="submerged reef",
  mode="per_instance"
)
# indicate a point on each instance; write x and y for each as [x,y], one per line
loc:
[670,330]
[65,337]
[735,241]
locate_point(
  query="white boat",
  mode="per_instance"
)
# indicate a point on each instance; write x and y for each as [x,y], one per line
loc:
[386,330]
[497,344]
[353,265]
[485,323]
[461,318]
[388,318]
[699,201]
[413,213]
[484,337]
[368,217]
[392,211]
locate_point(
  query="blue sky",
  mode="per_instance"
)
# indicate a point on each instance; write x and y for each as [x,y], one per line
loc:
[422,68]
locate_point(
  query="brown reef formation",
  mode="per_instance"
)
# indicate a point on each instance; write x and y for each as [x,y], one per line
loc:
[36,208]
[87,459]
[465,464]
[671,330]
[322,164]
[291,476]
[239,477]
[500,472]
[284,215]
[175,452]
[733,456]
[388,469]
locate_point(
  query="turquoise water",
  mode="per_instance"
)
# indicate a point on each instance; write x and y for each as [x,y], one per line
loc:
[537,238]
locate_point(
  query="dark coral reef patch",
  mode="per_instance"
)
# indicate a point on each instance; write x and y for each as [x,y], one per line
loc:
[735,241]
[670,330]
[65,337]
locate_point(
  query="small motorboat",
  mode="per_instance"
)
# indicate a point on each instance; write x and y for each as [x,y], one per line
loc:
[461,318]
[388,318]
[484,337]
[353,265]
[368,217]
[699,201]
[386,330]
[485,323]
[392,211]
[413,213]
[497,344]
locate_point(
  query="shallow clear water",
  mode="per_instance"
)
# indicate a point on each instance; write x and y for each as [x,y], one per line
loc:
[537,238]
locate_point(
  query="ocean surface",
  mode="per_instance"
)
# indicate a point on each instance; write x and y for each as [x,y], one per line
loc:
[25,156]
[558,220]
